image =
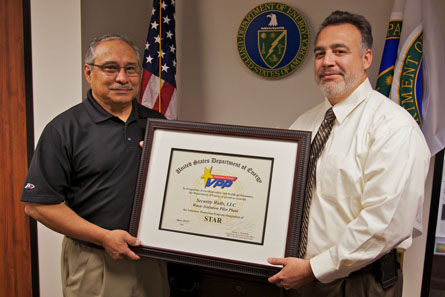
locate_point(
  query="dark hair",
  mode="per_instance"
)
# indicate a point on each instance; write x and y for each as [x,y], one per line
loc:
[90,54]
[360,22]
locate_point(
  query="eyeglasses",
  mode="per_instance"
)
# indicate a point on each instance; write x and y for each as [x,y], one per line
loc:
[113,69]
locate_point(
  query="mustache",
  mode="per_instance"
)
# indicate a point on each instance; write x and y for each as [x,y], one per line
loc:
[125,87]
[330,71]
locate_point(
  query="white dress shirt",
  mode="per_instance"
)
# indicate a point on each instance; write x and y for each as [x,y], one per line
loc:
[370,181]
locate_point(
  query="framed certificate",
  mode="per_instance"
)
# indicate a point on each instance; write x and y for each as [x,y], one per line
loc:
[220,196]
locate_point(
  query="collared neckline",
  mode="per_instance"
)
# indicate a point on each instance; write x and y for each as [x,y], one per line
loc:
[345,107]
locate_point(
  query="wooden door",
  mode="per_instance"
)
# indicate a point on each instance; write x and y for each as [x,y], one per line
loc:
[15,243]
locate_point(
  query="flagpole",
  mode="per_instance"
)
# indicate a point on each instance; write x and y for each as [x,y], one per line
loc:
[160,53]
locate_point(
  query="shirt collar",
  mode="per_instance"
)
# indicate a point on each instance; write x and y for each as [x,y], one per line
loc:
[98,113]
[345,107]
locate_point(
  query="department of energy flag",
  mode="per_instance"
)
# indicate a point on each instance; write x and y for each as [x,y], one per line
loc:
[160,58]
[413,67]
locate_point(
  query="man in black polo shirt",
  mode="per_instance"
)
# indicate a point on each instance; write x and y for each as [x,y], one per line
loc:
[82,179]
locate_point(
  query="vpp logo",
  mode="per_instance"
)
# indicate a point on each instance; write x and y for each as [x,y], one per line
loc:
[217,180]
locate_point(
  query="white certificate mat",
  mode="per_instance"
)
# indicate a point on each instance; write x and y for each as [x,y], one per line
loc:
[210,198]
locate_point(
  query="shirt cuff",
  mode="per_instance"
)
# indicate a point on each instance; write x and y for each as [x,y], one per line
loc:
[323,268]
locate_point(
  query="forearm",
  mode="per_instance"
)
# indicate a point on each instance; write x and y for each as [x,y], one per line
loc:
[377,230]
[64,220]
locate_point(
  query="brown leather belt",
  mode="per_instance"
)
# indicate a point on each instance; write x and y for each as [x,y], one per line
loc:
[86,243]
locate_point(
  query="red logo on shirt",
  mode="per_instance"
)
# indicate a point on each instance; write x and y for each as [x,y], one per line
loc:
[29,186]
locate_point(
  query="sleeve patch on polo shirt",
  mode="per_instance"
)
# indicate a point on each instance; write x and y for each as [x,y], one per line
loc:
[29,186]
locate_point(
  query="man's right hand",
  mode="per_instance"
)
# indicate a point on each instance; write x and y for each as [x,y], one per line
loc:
[116,243]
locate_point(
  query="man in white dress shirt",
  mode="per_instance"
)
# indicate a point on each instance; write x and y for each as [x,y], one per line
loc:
[370,176]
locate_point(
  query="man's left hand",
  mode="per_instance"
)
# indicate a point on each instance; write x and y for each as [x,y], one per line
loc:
[296,273]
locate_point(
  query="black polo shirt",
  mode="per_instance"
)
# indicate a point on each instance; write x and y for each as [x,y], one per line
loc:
[89,159]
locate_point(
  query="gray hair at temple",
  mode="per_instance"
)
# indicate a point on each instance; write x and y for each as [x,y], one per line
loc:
[90,55]
[360,22]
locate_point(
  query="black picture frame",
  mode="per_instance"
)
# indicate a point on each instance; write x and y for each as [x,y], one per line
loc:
[280,203]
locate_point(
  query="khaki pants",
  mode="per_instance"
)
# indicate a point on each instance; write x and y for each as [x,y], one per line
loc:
[358,284]
[88,272]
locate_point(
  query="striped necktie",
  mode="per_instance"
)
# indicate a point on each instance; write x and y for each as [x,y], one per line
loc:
[316,148]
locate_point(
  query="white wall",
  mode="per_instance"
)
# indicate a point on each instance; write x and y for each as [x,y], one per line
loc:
[213,83]
[215,86]
[101,17]
[56,68]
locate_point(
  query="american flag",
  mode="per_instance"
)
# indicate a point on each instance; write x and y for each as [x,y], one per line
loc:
[160,57]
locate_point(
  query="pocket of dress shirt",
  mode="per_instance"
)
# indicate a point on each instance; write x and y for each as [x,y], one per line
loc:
[339,180]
